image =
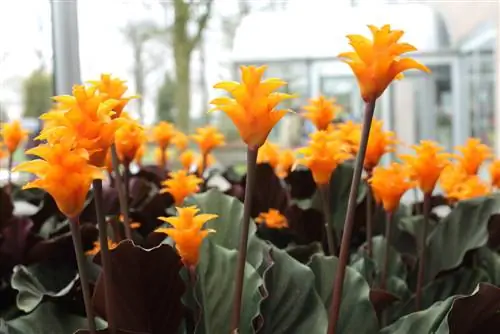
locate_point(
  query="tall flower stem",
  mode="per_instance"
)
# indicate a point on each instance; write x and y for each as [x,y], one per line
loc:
[10,162]
[331,236]
[203,164]
[242,254]
[349,220]
[121,192]
[84,280]
[106,259]
[126,182]
[369,219]
[385,267]
[423,246]
[163,160]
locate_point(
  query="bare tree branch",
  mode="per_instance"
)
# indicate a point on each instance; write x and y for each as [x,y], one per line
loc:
[202,23]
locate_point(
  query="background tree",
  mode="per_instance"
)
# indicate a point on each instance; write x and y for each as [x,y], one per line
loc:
[187,14]
[37,93]
[165,99]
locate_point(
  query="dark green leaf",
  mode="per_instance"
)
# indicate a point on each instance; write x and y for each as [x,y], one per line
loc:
[356,312]
[465,228]
[489,261]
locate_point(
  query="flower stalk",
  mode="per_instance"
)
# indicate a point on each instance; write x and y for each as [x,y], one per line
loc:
[121,192]
[106,259]
[423,246]
[369,219]
[242,253]
[10,162]
[385,266]
[84,281]
[324,190]
[349,220]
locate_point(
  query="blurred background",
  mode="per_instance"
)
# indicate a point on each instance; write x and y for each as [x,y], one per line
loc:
[172,52]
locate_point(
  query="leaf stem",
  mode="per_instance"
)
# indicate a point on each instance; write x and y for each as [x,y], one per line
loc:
[106,259]
[423,246]
[84,280]
[385,267]
[349,220]
[121,192]
[324,191]
[242,253]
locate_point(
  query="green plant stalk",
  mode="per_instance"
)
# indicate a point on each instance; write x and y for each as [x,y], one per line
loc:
[10,162]
[349,220]
[242,253]
[203,166]
[106,259]
[84,280]
[423,246]
[126,182]
[121,192]
[324,191]
[369,218]
[385,266]
[163,159]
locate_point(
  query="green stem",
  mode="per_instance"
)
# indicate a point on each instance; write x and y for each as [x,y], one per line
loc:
[10,162]
[385,267]
[242,253]
[423,246]
[369,219]
[84,280]
[349,220]
[331,236]
[105,256]
[121,192]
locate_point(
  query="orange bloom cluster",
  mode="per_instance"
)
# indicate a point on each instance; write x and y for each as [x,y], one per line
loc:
[208,138]
[180,140]
[268,153]
[187,232]
[389,184]
[376,63]
[495,173]
[113,89]
[12,135]
[163,133]
[380,142]
[473,154]
[427,164]
[253,108]
[458,185]
[323,155]
[180,185]
[286,161]
[272,219]
[321,112]
[129,139]
[3,152]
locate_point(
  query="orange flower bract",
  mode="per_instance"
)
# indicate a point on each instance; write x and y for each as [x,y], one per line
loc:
[187,232]
[286,160]
[12,134]
[389,184]
[473,154]
[380,142]
[323,155]
[188,158]
[272,219]
[268,153]
[427,164]
[64,173]
[472,187]
[495,173]
[208,138]
[129,139]
[349,133]
[376,63]
[180,185]
[253,106]
[451,177]
[180,140]
[113,88]
[321,112]
[163,133]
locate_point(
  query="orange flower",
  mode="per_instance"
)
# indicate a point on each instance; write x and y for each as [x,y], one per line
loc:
[3,152]
[163,133]
[113,88]
[83,119]
[64,173]
[377,63]
[389,184]
[97,247]
[379,143]
[180,185]
[129,138]
[495,173]
[323,155]
[140,154]
[108,163]
[199,161]
[188,158]
[157,155]
[180,141]
[474,153]
[272,219]
[321,112]
[452,177]
[428,163]
[253,106]
[12,134]
[208,138]
[349,133]
[268,153]
[187,232]
[472,187]
[286,160]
